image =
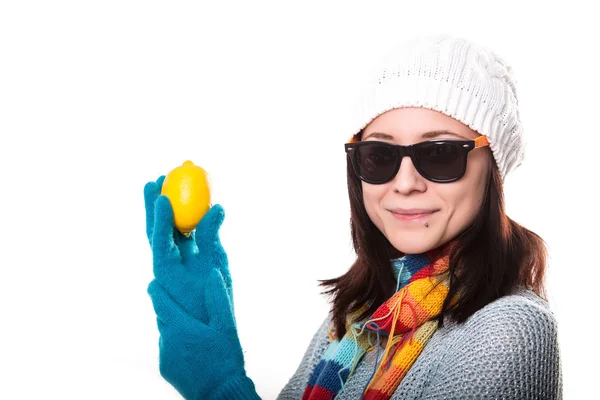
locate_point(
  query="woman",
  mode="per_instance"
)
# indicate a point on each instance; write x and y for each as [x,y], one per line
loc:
[446,297]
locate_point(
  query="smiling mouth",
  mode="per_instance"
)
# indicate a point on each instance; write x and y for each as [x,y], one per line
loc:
[413,217]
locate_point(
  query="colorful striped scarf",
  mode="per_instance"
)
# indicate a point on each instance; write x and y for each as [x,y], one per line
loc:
[406,320]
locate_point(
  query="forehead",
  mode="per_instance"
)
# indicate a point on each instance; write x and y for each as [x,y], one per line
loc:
[411,123]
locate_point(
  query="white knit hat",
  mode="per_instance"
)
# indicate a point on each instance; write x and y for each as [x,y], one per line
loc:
[458,78]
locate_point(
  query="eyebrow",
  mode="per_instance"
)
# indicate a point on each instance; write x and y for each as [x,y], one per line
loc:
[426,135]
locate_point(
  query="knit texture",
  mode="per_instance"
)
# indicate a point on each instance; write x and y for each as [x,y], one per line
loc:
[407,321]
[200,354]
[203,360]
[506,350]
[458,78]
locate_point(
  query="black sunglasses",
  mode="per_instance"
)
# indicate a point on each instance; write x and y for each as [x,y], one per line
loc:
[439,161]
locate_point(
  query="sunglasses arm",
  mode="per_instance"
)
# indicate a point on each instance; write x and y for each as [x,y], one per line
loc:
[481,141]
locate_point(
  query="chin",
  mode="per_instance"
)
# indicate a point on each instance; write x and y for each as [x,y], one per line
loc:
[414,242]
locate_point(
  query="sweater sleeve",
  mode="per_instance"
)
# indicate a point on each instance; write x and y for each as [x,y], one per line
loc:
[510,352]
[295,387]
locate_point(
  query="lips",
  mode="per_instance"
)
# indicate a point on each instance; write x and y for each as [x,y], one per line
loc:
[412,211]
[413,214]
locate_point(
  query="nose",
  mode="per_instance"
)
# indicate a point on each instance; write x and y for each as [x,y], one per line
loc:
[408,179]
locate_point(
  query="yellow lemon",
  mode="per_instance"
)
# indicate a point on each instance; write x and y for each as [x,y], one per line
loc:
[188,189]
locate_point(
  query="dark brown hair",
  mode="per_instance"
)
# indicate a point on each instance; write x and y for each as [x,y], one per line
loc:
[491,257]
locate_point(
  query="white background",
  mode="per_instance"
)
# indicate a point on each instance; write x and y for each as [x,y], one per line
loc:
[97,98]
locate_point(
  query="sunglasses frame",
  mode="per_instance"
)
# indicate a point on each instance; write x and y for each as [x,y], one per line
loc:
[464,145]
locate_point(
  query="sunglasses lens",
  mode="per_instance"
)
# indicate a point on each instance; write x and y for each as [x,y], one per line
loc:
[441,161]
[376,163]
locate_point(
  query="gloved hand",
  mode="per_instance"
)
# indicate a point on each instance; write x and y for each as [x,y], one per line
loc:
[181,264]
[202,360]
[200,352]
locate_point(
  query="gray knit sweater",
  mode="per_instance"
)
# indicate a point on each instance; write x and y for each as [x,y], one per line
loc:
[506,350]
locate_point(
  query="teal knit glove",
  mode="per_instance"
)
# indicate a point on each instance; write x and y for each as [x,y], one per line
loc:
[199,350]
[202,360]
[181,264]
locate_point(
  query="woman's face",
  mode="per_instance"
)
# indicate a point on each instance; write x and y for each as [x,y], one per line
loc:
[451,207]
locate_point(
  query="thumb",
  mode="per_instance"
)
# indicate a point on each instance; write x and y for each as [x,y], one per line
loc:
[168,313]
[218,304]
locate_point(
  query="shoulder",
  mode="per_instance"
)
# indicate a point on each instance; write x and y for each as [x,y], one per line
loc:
[294,389]
[514,324]
[318,344]
[521,313]
[509,348]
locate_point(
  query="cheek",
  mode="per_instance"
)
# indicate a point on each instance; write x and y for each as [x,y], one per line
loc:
[372,196]
[465,201]
[469,192]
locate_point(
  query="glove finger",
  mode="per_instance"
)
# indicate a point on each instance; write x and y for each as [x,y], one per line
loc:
[165,251]
[187,247]
[159,181]
[151,193]
[169,314]
[210,250]
[218,305]
[207,231]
